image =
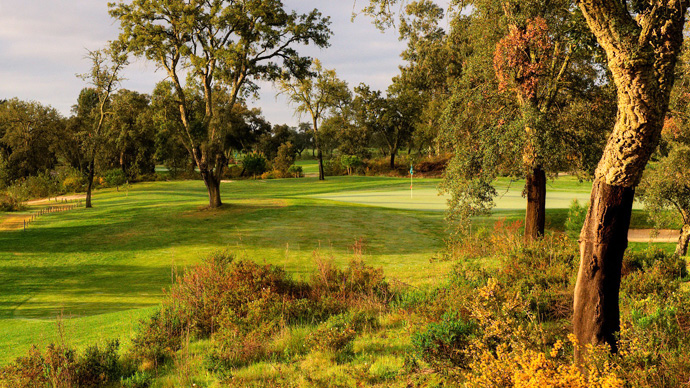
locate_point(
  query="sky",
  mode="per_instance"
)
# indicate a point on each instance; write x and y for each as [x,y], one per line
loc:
[43,44]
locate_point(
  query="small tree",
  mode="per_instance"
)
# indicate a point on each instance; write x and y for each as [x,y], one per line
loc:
[104,77]
[350,162]
[665,188]
[285,158]
[315,95]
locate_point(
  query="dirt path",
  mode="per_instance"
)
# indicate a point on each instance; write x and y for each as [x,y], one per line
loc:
[62,198]
[647,235]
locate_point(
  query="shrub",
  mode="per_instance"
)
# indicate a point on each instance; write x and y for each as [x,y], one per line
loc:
[337,333]
[31,187]
[10,203]
[351,163]
[332,167]
[445,343]
[115,177]
[358,284]
[285,158]
[99,365]
[576,218]
[295,171]
[138,380]
[254,164]
[652,272]
[157,338]
[74,184]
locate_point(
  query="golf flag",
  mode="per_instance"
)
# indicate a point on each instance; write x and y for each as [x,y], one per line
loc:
[411,174]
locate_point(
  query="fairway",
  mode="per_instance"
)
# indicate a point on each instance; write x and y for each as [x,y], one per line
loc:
[120,255]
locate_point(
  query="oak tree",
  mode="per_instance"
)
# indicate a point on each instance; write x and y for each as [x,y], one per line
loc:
[222,44]
[642,40]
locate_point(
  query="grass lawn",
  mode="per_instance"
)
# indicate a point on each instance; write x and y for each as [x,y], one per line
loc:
[104,268]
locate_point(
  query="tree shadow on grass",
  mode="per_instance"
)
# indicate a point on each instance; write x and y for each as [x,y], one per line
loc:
[79,289]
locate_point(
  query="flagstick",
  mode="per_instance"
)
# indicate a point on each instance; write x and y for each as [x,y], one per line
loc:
[411,174]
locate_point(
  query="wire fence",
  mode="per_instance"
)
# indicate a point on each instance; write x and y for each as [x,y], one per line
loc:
[61,205]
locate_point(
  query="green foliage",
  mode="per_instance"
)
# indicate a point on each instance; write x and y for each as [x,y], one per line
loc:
[246,42]
[332,167]
[444,343]
[295,171]
[61,366]
[10,203]
[34,187]
[254,164]
[115,177]
[665,188]
[652,272]
[576,218]
[285,158]
[138,380]
[351,163]
[99,365]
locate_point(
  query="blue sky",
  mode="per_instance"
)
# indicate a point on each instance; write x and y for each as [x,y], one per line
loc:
[43,43]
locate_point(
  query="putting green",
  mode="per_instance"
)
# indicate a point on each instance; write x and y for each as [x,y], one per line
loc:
[429,199]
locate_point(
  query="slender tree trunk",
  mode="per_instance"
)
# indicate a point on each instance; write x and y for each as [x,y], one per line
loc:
[683,240]
[603,241]
[535,216]
[392,163]
[89,187]
[322,176]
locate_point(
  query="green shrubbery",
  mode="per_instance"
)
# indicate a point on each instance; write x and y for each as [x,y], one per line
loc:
[254,164]
[62,366]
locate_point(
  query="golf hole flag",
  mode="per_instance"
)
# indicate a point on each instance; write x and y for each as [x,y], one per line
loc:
[411,173]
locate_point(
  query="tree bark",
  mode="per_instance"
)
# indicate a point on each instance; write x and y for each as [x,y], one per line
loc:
[213,188]
[322,176]
[683,241]
[535,216]
[641,50]
[392,160]
[89,186]
[603,241]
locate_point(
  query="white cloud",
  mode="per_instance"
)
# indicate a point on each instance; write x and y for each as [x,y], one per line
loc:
[43,44]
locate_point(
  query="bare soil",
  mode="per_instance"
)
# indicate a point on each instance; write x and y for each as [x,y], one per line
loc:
[649,235]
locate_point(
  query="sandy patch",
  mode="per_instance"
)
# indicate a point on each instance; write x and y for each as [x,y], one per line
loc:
[648,235]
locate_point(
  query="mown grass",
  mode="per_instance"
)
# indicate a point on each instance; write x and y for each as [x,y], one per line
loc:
[104,268]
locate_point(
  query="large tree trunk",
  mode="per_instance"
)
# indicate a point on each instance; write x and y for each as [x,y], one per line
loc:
[641,51]
[213,188]
[603,241]
[89,186]
[683,240]
[535,216]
